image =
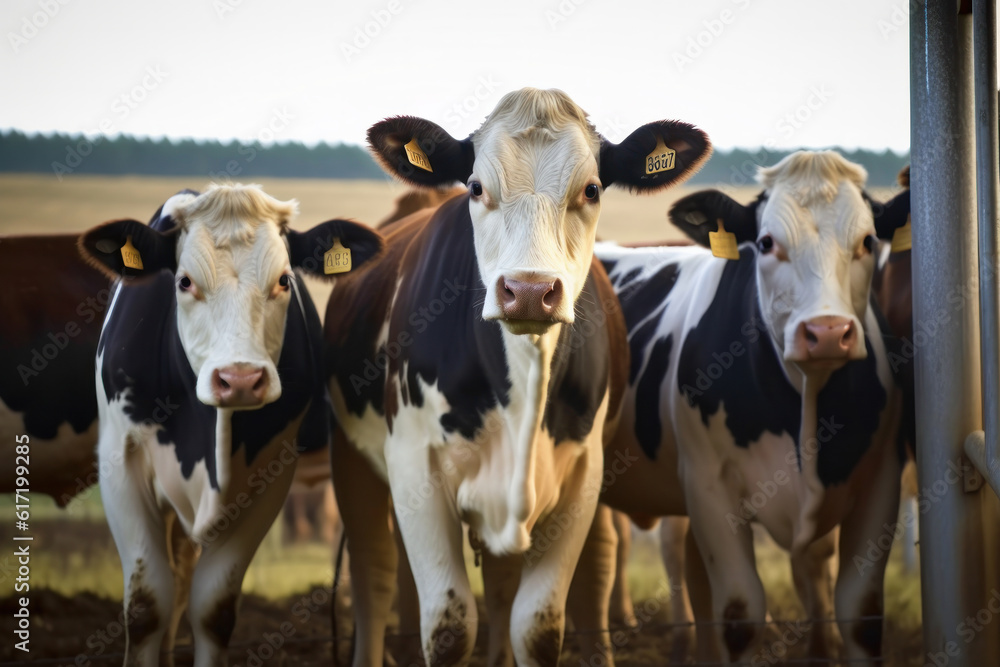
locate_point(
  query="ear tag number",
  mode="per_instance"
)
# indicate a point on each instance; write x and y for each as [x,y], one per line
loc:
[902,238]
[723,243]
[661,159]
[130,255]
[337,259]
[416,156]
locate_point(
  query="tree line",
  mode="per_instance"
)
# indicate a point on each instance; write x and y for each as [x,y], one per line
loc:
[65,154]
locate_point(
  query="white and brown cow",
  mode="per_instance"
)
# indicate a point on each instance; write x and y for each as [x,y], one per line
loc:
[477,367]
[209,380]
[762,385]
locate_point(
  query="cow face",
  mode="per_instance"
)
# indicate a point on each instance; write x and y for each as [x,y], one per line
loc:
[232,257]
[814,233]
[535,172]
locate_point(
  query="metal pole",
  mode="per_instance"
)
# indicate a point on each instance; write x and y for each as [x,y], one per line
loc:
[984,448]
[946,328]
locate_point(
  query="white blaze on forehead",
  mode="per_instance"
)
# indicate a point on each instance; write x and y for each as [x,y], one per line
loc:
[816,213]
[535,154]
[232,249]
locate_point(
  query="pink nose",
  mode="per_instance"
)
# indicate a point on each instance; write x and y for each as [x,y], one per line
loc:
[529,300]
[240,386]
[827,337]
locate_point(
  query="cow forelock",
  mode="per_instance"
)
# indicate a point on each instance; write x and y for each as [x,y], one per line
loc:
[535,156]
[816,278]
[231,316]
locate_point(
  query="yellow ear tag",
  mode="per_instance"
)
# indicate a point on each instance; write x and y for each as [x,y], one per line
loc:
[902,238]
[661,159]
[337,259]
[130,256]
[723,243]
[416,156]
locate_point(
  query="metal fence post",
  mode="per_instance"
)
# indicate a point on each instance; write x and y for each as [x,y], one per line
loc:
[946,333]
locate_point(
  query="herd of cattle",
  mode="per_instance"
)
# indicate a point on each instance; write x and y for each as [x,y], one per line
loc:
[485,367]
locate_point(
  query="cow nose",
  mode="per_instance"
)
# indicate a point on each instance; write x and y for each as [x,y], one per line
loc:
[529,299]
[240,386]
[828,337]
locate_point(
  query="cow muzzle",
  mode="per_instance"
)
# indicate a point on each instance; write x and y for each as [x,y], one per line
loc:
[529,306]
[828,338]
[240,385]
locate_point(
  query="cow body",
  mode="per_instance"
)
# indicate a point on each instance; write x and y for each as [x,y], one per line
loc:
[209,382]
[723,398]
[475,380]
[53,305]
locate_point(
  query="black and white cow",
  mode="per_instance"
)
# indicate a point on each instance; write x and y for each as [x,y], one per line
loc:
[762,386]
[209,382]
[478,366]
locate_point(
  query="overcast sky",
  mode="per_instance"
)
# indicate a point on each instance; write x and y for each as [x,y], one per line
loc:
[784,73]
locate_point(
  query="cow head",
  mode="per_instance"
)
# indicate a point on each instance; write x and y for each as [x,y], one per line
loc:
[814,235]
[535,172]
[232,256]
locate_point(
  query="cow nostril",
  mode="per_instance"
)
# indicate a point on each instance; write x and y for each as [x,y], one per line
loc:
[552,298]
[811,337]
[260,383]
[223,384]
[506,294]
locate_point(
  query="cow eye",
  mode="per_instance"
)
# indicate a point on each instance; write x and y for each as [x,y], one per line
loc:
[184,283]
[476,188]
[869,243]
[282,286]
[765,244]
[591,192]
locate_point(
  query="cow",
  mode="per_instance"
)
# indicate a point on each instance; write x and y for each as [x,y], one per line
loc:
[53,304]
[476,371]
[209,380]
[759,390]
[415,199]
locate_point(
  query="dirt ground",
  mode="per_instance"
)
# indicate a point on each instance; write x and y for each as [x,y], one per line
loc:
[294,630]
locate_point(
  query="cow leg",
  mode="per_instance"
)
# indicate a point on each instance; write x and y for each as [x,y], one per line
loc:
[501,576]
[813,576]
[329,517]
[407,653]
[673,532]
[590,591]
[738,604]
[860,580]
[363,498]
[140,535]
[700,592]
[432,532]
[537,618]
[226,554]
[183,555]
[622,611]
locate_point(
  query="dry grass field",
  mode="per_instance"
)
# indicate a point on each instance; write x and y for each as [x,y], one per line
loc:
[76,572]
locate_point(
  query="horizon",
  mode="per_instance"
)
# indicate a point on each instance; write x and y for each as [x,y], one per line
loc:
[311,72]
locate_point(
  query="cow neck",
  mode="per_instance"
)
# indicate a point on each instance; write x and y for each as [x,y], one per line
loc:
[529,360]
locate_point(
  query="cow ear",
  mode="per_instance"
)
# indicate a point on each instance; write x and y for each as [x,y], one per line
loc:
[420,152]
[891,215]
[655,156]
[129,249]
[698,214]
[333,248]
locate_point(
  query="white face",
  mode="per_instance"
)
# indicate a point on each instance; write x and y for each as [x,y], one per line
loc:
[535,205]
[233,285]
[814,271]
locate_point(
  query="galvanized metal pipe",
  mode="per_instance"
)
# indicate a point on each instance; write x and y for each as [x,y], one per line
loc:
[946,326]
[984,450]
